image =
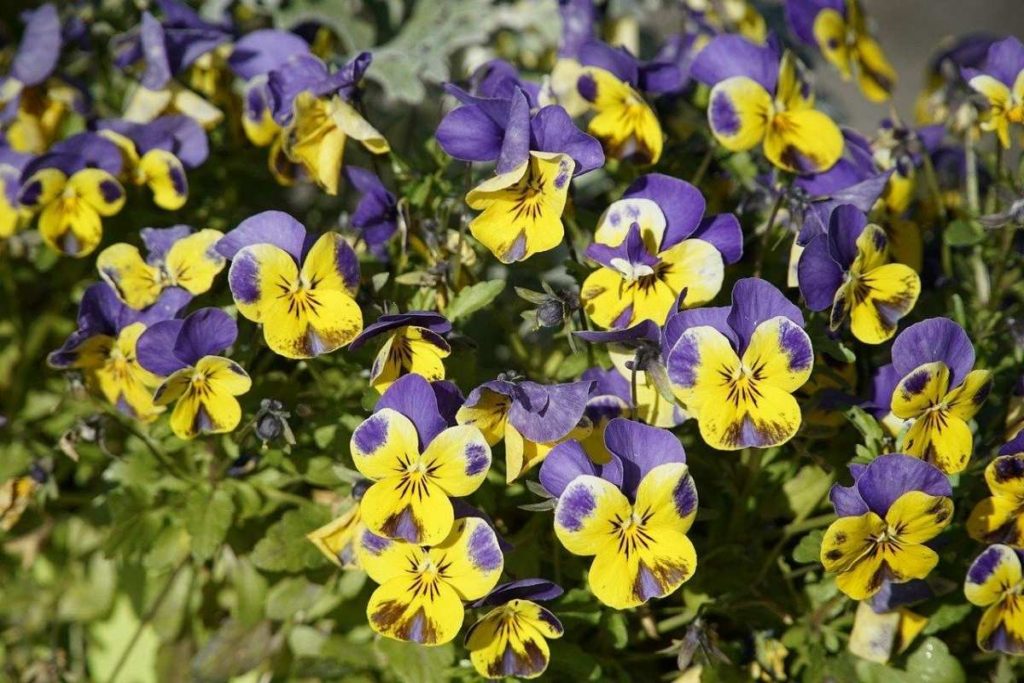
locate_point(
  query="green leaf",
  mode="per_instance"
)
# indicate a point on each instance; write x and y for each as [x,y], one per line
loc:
[250,592]
[931,662]
[946,616]
[808,550]
[411,663]
[291,595]
[618,629]
[285,547]
[471,299]
[207,519]
[963,233]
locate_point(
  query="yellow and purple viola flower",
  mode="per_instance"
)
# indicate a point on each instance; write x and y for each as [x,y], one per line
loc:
[1001,80]
[300,288]
[72,188]
[838,28]
[314,107]
[896,505]
[939,391]
[196,377]
[631,514]
[739,16]
[657,249]
[758,100]
[12,214]
[375,217]
[1000,517]
[252,58]
[847,271]
[421,589]
[177,257]
[104,348]
[535,154]
[158,153]
[416,344]
[901,149]
[512,638]
[735,368]
[169,49]
[417,462]
[337,539]
[995,581]
[531,418]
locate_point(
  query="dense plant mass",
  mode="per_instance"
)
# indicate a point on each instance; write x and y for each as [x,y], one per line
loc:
[442,340]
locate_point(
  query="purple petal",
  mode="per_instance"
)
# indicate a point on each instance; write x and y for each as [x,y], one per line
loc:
[83,150]
[534,590]
[159,241]
[169,304]
[268,227]
[846,499]
[680,321]
[449,399]
[888,477]
[724,232]
[468,133]
[641,448]
[1014,446]
[606,383]
[681,202]
[435,322]
[615,60]
[632,250]
[567,460]
[515,145]
[730,55]
[263,51]
[155,348]
[546,413]
[660,77]
[844,229]
[40,46]
[345,80]
[154,52]
[800,14]
[646,330]
[818,274]
[1005,60]
[500,79]
[935,339]
[553,130]
[207,332]
[299,72]
[578,18]
[883,384]
[892,595]
[754,301]
[412,396]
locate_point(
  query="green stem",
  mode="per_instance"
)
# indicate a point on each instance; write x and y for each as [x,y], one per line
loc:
[982,284]
[932,181]
[766,235]
[169,463]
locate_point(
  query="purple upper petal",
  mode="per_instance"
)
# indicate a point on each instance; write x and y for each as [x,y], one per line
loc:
[646,330]
[616,60]
[154,50]
[641,448]
[546,413]
[534,590]
[345,81]
[412,396]
[731,55]
[578,17]
[449,399]
[268,227]
[888,477]
[499,79]
[844,229]
[435,322]
[724,232]
[299,72]
[553,130]
[660,76]
[568,460]
[155,348]
[178,134]
[632,250]
[935,339]
[83,150]
[846,499]
[207,332]
[893,595]
[800,14]
[469,134]
[1005,60]
[515,145]
[818,274]
[883,384]
[263,51]
[754,301]
[40,46]
[681,202]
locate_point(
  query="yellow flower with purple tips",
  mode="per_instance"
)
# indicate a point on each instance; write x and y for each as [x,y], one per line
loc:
[1001,81]
[896,505]
[939,391]
[421,589]
[735,368]
[417,462]
[302,291]
[995,581]
[756,100]
[1000,517]
[337,539]
[847,270]
[415,345]
[177,257]
[511,639]
[838,28]
[657,248]
[631,514]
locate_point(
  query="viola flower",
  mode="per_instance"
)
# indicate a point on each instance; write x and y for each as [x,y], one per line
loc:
[756,99]
[536,155]
[157,154]
[301,291]
[511,639]
[995,581]
[416,345]
[104,348]
[999,518]
[15,495]
[1001,80]
[938,391]
[376,215]
[421,589]
[315,108]
[531,418]
[417,463]
[902,150]
[838,29]
[847,271]
[656,246]
[12,215]
[337,539]
[738,16]
[203,383]
[878,636]
[170,48]
[177,257]
[632,518]
[735,368]
[72,188]
[894,507]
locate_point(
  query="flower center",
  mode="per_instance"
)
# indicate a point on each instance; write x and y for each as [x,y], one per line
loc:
[301,296]
[742,382]
[631,532]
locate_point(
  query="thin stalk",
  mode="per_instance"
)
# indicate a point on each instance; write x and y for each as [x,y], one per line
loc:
[766,235]
[982,285]
[932,181]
